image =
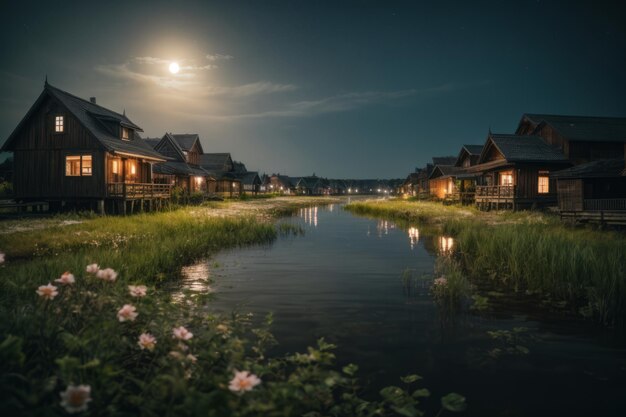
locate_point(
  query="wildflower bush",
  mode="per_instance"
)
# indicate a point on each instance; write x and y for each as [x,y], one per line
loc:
[103,344]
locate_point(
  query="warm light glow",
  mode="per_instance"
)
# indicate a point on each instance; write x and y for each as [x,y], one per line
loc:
[445,244]
[414,236]
[133,169]
[174,68]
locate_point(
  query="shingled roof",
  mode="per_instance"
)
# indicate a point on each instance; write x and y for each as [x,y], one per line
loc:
[583,128]
[93,118]
[473,151]
[215,161]
[179,168]
[606,168]
[186,140]
[445,171]
[516,148]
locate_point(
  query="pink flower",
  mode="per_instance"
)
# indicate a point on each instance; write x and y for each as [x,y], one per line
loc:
[107,274]
[75,398]
[181,333]
[192,358]
[137,290]
[147,341]
[92,269]
[441,281]
[48,292]
[127,313]
[1,257]
[243,381]
[66,279]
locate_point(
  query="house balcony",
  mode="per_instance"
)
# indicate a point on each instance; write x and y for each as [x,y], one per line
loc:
[460,197]
[605,204]
[138,191]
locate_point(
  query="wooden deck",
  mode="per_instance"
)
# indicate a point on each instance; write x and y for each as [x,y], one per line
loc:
[464,198]
[138,191]
[609,211]
[495,196]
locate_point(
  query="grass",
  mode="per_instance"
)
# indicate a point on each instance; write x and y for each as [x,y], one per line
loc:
[76,338]
[528,251]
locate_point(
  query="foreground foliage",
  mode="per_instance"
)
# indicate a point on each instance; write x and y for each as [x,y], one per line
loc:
[88,328]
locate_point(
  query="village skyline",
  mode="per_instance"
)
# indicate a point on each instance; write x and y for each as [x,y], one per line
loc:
[298,88]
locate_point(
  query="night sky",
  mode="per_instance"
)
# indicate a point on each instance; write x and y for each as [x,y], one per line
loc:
[343,89]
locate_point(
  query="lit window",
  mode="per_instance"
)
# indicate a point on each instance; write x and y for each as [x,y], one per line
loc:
[133,168]
[86,165]
[58,124]
[115,166]
[543,184]
[506,178]
[72,166]
[77,165]
[125,133]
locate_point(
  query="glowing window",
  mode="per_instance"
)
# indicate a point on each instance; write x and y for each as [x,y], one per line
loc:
[543,184]
[125,133]
[506,178]
[58,124]
[115,166]
[77,165]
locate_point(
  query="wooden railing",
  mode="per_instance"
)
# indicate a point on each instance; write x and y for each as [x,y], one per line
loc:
[493,192]
[138,190]
[605,204]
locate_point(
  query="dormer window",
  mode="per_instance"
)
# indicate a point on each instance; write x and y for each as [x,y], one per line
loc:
[125,133]
[59,124]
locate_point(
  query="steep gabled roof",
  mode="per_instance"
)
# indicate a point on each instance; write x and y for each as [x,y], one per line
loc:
[179,168]
[445,171]
[606,168]
[153,142]
[582,128]
[473,151]
[93,118]
[215,161]
[248,177]
[186,140]
[517,148]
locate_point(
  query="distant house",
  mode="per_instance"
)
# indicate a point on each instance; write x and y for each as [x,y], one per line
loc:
[515,172]
[580,138]
[410,185]
[183,169]
[312,185]
[221,167]
[71,151]
[281,184]
[442,182]
[595,191]
[250,182]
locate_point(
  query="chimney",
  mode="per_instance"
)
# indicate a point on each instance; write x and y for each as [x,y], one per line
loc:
[92,99]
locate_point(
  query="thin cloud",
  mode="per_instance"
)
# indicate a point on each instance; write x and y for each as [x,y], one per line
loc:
[218,57]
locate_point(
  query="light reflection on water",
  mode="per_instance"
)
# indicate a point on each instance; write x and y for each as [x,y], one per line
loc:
[195,279]
[349,285]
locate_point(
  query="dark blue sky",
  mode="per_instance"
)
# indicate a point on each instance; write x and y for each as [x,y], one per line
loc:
[343,89]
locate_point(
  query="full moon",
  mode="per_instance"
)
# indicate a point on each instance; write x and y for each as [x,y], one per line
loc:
[174,68]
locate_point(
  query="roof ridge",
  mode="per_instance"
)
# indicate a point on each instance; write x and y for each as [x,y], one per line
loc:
[48,85]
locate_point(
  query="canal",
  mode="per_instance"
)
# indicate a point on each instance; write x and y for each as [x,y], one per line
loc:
[364,284]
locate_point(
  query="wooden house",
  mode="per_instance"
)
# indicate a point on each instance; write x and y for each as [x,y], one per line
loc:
[410,186]
[250,182]
[580,138]
[281,184]
[515,172]
[312,185]
[183,169]
[593,192]
[73,152]
[222,167]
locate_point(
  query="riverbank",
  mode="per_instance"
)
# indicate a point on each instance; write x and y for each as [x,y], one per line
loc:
[88,325]
[582,269]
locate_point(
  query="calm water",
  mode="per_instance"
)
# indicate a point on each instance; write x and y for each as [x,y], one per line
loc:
[342,280]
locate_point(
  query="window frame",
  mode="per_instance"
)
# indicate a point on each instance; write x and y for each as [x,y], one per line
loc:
[506,174]
[127,131]
[56,124]
[81,167]
[543,175]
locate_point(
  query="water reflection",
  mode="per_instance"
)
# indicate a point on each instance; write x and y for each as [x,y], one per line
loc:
[309,215]
[194,280]
[445,244]
[414,236]
[384,226]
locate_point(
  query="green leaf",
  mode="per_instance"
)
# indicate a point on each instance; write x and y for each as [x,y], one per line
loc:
[407,410]
[350,369]
[410,378]
[453,402]
[421,393]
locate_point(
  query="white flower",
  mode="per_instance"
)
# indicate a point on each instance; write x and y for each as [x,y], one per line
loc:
[181,333]
[1,257]
[441,281]
[127,313]
[92,269]
[243,381]
[48,292]
[147,341]
[107,274]
[75,398]
[66,279]
[192,358]
[137,290]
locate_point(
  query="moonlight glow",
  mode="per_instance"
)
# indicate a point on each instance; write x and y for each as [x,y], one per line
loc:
[174,68]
